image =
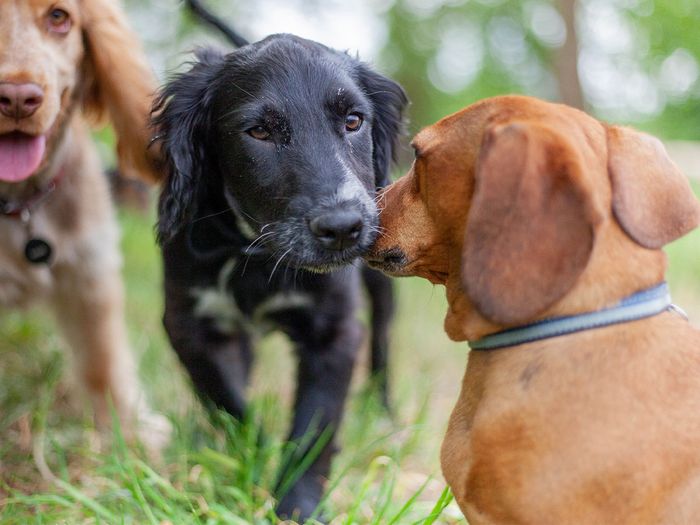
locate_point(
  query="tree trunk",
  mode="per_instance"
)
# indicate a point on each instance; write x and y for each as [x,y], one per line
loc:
[567,59]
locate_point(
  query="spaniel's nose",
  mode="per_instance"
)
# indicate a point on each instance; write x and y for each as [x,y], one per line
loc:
[20,101]
[338,229]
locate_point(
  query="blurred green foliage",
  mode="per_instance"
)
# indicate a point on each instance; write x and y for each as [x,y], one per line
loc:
[672,25]
[638,60]
[420,42]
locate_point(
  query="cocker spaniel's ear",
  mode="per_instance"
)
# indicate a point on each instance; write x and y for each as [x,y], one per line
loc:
[119,86]
[389,101]
[181,119]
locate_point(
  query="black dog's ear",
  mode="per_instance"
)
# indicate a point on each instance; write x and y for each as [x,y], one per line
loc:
[389,101]
[181,118]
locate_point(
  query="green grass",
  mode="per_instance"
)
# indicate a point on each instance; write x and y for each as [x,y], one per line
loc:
[388,470]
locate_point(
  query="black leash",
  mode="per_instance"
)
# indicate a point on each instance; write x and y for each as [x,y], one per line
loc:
[210,18]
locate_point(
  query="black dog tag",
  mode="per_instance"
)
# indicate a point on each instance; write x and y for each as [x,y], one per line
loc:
[38,251]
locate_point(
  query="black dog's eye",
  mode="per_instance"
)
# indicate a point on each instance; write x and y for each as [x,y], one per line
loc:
[258,132]
[353,122]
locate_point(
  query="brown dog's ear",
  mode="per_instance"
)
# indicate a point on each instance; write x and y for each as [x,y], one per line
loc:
[530,228]
[120,85]
[652,199]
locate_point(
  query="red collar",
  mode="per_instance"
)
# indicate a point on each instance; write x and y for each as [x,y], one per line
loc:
[15,209]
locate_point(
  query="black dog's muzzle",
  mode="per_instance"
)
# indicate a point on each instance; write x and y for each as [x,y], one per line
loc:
[339,228]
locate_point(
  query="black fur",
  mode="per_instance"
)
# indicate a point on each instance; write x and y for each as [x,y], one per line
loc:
[238,213]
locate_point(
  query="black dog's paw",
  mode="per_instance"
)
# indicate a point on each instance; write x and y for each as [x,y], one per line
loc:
[301,501]
[379,388]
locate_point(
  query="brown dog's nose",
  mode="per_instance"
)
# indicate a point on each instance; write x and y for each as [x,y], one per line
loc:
[20,100]
[392,259]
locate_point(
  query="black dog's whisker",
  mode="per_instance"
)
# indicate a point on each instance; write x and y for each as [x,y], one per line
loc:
[377,229]
[249,251]
[286,268]
[380,92]
[227,210]
[278,262]
[231,82]
[211,215]
[260,239]
[294,279]
[247,215]
[233,112]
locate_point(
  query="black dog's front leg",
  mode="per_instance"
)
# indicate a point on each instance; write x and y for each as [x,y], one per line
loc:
[218,363]
[380,290]
[325,370]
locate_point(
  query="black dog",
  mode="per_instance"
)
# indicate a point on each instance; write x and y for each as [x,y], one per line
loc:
[274,153]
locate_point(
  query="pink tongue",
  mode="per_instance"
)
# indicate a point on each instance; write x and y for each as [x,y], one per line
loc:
[20,156]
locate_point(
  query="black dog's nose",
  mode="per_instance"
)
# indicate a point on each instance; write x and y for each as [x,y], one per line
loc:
[337,230]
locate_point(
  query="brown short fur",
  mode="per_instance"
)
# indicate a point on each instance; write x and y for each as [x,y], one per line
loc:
[95,71]
[526,210]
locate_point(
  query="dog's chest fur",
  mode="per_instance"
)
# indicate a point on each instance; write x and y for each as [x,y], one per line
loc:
[235,293]
[20,281]
[230,314]
[88,248]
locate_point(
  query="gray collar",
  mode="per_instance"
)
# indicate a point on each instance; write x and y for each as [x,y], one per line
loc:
[645,303]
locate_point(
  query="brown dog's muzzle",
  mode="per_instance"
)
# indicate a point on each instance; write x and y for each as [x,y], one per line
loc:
[395,262]
[390,260]
[387,254]
[409,243]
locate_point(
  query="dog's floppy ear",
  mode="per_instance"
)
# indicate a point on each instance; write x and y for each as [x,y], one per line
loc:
[652,199]
[119,85]
[388,103]
[181,118]
[530,228]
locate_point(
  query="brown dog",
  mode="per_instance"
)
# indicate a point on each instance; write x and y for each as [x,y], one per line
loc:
[527,210]
[61,65]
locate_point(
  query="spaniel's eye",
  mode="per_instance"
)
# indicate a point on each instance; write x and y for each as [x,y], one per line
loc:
[59,21]
[353,122]
[258,132]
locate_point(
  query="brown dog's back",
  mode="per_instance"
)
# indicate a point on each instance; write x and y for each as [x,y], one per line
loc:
[528,210]
[590,433]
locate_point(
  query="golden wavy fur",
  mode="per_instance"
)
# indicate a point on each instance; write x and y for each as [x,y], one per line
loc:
[84,65]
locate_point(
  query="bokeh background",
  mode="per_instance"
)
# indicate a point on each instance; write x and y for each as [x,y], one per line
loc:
[627,61]
[624,60]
